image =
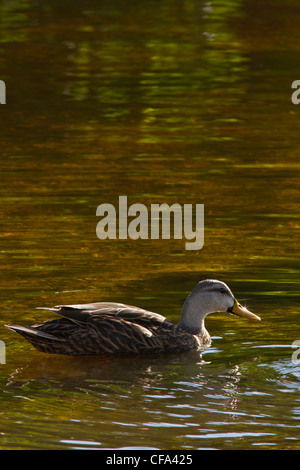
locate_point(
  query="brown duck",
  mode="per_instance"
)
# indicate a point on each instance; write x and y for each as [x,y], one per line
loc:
[103,327]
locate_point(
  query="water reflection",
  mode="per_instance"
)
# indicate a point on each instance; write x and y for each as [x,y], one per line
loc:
[71,371]
[213,401]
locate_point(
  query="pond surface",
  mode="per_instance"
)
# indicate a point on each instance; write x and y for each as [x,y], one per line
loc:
[173,101]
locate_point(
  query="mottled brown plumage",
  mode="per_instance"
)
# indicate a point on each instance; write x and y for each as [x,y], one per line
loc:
[103,327]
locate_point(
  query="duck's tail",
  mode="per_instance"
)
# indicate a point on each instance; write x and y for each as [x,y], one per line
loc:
[41,340]
[32,331]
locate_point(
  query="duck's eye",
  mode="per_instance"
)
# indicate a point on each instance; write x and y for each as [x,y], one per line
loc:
[223,290]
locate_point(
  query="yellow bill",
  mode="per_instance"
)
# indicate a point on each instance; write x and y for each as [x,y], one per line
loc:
[241,311]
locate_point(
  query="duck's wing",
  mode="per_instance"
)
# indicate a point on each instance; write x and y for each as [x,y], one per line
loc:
[82,313]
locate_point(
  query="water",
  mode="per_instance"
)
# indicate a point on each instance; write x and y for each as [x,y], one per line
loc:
[185,102]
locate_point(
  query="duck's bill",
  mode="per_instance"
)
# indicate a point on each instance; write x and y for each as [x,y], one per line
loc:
[238,309]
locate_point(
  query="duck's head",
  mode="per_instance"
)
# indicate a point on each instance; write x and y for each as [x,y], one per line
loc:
[210,296]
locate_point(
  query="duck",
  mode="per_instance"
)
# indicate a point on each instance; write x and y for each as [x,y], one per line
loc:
[116,328]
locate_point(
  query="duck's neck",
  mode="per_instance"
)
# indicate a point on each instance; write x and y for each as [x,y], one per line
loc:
[192,318]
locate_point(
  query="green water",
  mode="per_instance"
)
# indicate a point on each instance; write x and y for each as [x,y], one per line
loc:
[172,101]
